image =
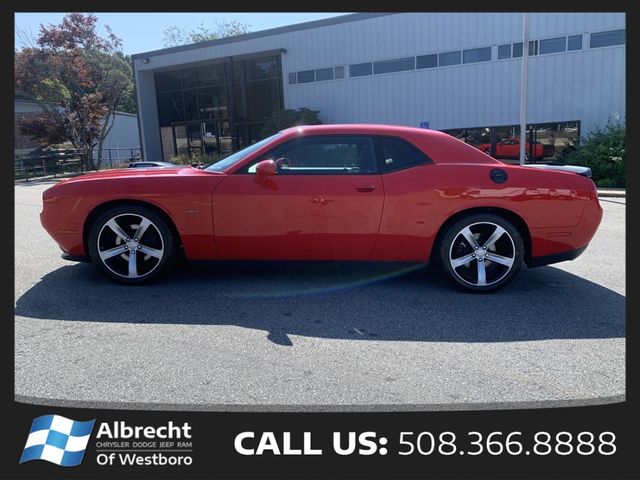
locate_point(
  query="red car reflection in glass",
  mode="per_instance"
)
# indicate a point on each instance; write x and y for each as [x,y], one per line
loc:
[331,192]
[509,148]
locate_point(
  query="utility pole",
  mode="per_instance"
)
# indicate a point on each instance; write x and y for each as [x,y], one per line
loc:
[523,86]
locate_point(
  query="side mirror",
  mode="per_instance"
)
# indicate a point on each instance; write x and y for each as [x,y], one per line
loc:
[264,170]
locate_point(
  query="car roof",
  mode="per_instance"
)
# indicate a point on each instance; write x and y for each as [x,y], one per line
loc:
[440,146]
[355,128]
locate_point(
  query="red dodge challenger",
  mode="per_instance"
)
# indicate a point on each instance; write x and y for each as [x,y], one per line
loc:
[332,192]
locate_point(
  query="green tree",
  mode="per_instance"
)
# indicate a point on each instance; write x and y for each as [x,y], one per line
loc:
[282,119]
[78,78]
[604,151]
[129,104]
[174,35]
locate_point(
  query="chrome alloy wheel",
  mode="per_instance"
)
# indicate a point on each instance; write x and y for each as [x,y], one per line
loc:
[130,245]
[482,254]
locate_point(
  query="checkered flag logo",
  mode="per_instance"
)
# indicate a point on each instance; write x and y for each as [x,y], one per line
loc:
[57,440]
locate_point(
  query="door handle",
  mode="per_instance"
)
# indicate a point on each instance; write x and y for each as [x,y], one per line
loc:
[365,188]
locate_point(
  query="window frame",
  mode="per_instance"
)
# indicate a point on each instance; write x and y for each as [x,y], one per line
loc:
[386,63]
[430,55]
[533,45]
[502,45]
[450,53]
[379,149]
[311,72]
[577,35]
[542,41]
[378,152]
[591,34]
[477,49]
[325,70]
[357,65]
[313,172]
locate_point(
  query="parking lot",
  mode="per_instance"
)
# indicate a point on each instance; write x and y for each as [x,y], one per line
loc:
[326,336]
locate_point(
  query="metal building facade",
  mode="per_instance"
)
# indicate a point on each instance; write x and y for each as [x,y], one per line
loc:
[586,85]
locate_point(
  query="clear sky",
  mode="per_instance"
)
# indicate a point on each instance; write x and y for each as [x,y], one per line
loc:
[142,32]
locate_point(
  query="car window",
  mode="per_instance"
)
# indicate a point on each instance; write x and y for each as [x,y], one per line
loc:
[324,155]
[398,154]
[231,160]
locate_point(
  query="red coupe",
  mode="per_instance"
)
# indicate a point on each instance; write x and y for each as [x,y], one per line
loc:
[331,192]
[509,148]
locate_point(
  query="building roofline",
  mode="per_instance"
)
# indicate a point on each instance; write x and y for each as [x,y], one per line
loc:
[263,33]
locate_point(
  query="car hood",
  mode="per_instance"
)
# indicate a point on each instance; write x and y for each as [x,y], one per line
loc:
[138,173]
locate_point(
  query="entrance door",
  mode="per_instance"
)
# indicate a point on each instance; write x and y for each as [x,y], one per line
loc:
[194,136]
[209,137]
[181,139]
[325,202]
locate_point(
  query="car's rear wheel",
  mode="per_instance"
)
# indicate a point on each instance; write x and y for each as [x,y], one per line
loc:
[482,252]
[131,244]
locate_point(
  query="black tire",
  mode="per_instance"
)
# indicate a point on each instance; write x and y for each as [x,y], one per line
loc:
[111,253]
[499,262]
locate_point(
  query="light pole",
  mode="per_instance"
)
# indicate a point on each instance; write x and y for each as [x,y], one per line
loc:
[523,86]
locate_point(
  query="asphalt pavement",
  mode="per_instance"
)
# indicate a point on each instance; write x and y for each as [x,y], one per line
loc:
[316,336]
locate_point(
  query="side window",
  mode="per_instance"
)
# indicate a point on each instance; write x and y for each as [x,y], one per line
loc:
[328,155]
[398,154]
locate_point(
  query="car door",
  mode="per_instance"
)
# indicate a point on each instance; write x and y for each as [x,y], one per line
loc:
[324,203]
[411,192]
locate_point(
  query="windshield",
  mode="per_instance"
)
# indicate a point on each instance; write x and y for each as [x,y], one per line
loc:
[226,162]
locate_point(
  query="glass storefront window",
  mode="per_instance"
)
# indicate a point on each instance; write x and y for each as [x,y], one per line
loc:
[555,137]
[191,104]
[194,104]
[170,108]
[212,75]
[262,69]
[167,81]
[189,78]
[262,96]
[213,102]
[545,141]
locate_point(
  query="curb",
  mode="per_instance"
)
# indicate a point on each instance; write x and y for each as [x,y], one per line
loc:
[612,193]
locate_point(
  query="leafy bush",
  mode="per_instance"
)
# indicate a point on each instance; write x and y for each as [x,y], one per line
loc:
[290,118]
[603,150]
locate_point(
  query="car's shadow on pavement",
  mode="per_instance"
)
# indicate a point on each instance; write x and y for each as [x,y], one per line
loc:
[355,301]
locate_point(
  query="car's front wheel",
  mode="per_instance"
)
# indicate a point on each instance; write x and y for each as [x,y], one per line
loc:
[482,252]
[131,243]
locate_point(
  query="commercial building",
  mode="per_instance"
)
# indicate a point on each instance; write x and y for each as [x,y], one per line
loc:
[457,72]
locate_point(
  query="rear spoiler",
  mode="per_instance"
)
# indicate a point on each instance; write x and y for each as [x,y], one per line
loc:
[584,171]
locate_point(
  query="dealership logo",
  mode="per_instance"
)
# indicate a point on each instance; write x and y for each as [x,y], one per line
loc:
[58,440]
